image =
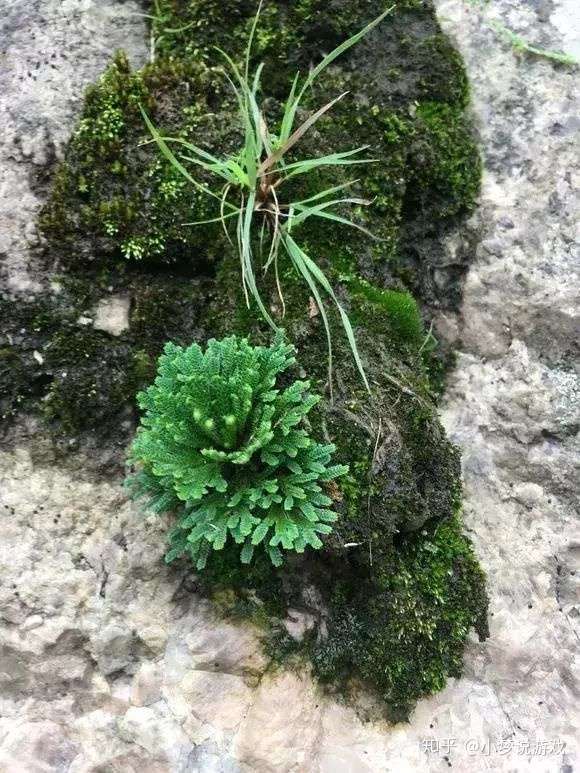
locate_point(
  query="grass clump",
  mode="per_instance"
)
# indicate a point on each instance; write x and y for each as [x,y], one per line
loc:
[229,452]
[259,174]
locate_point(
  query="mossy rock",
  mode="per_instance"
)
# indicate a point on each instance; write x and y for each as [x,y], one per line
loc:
[398,584]
[82,382]
[403,630]
[114,196]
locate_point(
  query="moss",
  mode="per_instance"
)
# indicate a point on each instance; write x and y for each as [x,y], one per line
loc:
[167,309]
[446,168]
[114,196]
[129,202]
[80,380]
[12,379]
[442,77]
[404,631]
[440,359]
[93,380]
[398,602]
[26,327]
[400,309]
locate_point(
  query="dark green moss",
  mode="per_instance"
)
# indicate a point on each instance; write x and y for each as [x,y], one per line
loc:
[445,164]
[442,78]
[26,328]
[115,196]
[404,630]
[94,385]
[125,200]
[397,583]
[81,380]
[400,309]
[12,380]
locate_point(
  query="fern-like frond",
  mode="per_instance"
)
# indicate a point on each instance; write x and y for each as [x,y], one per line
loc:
[226,450]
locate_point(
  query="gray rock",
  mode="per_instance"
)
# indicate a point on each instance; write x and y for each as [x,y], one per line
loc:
[51,50]
[112,648]
[112,315]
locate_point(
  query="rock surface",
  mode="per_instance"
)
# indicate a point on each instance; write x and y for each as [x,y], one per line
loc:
[51,50]
[109,662]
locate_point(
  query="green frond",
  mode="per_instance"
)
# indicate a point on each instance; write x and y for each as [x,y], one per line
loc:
[225,449]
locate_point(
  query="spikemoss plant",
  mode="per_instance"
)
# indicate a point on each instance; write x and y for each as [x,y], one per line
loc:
[229,452]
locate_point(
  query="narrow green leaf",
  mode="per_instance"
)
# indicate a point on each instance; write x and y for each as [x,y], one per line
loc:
[329,58]
[323,194]
[251,40]
[289,112]
[272,159]
[321,212]
[219,219]
[297,256]
[221,171]
[247,263]
[203,154]
[319,276]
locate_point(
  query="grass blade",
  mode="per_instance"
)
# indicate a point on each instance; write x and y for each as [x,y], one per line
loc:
[222,171]
[219,219]
[294,101]
[297,258]
[247,264]
[274,246]
[251,40]
[334,159]
[239,175]
[318,275]
[321,279]
[329,58]
[320,211]
[289,112]
[298,134]
[203,154]
[323,194]
[223,203]
[239,230]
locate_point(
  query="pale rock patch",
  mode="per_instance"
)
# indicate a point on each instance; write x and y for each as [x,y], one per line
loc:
[112,314]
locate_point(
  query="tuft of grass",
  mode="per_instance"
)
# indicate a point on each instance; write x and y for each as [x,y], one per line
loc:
[256,178]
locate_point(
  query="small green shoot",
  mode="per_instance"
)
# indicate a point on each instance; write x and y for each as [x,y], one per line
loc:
[255,178]
[160,19]
[522,46]
[519,44]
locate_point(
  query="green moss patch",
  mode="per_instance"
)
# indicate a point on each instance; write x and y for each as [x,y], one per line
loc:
[81,381]
[396,585]
[115,196]
[403,631]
